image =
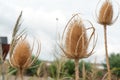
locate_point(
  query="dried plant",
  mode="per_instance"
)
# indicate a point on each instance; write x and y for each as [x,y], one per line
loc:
[22,56]
[74,42]
[105,18]
[16,35]
[83,71]
[106,13]
[20,50]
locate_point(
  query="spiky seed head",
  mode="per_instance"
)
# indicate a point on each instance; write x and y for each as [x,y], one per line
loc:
[106,13]
[21,54]
[76,40]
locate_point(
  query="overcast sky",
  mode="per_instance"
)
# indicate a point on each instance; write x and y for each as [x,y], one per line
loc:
[39,17]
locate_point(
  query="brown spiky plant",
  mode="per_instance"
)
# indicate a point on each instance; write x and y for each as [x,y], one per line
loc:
[22,56]
[106,13]
[105,17]
[74,42]
[20,50]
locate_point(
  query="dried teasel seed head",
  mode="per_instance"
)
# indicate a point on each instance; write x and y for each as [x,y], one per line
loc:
[76,40]
[106,13]
[21,55]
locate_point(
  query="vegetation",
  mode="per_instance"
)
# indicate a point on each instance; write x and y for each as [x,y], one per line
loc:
[114,63]
[69,67]
[74,42]
[56,69]
[30,71]
[33,69]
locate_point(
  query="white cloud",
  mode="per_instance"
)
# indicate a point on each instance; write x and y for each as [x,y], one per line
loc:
[39,16]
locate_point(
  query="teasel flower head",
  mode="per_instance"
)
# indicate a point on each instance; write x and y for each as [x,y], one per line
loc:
[22,55]
[20,52]
[106,13]
[74,42]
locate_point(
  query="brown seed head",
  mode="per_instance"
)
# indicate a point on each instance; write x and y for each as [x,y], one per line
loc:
[76,40]
[106,13]
[21,54]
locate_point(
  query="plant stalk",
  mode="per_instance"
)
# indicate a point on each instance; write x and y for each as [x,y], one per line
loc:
[21,73]
[2,63]
[106,51]
[76,69]
[83,71]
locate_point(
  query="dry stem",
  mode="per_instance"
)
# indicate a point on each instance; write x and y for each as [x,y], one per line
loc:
[106,51]
[21,73]
[83,71]
[76,69]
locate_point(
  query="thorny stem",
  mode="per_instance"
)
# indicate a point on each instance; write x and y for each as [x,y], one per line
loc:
[106,51]
[76,69]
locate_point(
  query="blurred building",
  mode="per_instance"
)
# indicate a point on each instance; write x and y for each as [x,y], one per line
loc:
[4,47]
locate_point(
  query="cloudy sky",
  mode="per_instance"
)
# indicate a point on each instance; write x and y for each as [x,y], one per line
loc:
[39,17]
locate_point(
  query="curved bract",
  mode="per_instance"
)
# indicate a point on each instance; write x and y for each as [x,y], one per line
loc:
[20,50]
